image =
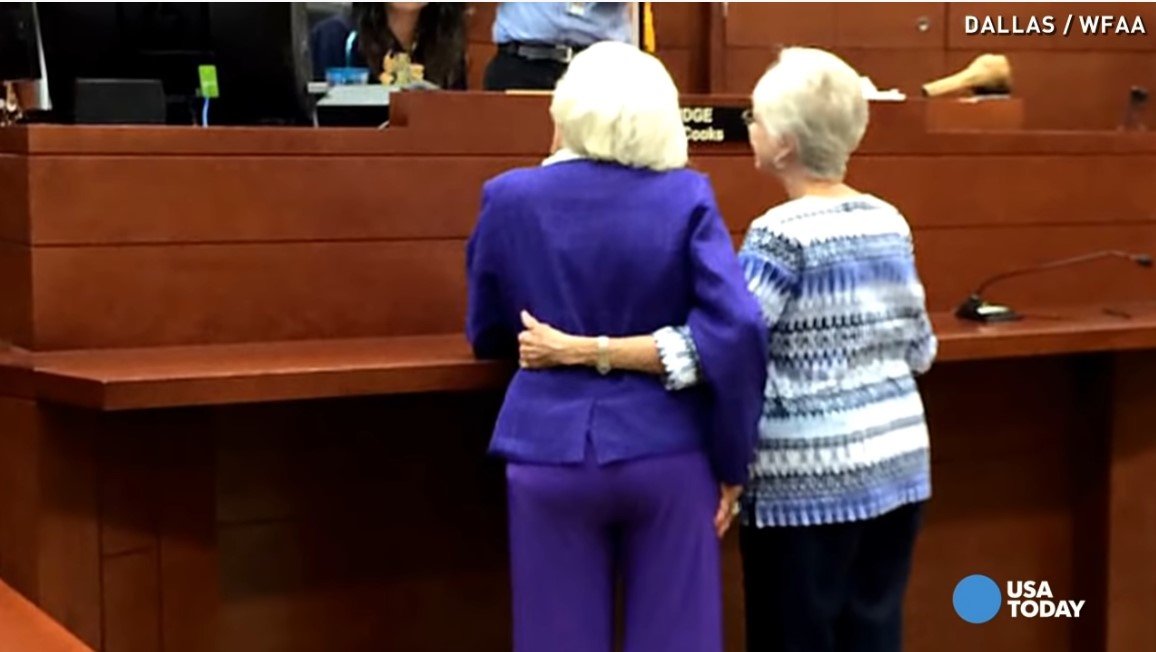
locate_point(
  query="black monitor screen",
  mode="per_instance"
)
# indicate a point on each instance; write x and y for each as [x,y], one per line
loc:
[260,51]
[19,56]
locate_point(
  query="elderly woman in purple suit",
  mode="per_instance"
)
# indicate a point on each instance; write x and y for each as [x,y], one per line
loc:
[611,478]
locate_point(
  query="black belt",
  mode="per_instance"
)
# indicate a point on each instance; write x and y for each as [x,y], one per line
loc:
[541,51]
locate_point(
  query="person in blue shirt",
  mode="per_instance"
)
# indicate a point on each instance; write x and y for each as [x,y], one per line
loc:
[536,40]
[432,33]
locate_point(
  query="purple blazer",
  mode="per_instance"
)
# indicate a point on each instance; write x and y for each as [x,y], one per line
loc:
[597,248]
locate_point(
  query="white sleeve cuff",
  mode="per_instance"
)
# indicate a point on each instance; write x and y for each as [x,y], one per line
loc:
[679,357]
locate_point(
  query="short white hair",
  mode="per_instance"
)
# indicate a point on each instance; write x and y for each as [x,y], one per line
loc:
[815,99]
[617,103]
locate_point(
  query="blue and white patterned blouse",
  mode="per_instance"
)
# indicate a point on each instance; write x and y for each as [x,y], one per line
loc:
[842,435]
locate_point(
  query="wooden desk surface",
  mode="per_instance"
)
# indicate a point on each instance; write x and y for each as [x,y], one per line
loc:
[24,628]
[130,379]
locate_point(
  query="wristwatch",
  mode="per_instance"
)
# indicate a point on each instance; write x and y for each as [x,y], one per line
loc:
[602,362]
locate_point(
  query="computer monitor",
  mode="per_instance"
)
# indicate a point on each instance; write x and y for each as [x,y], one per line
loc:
[19,53]
[263,62]
[260,51]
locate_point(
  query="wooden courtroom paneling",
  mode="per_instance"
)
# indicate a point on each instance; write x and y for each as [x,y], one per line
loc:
[16,290]
[96,200]
[370,523]
[332,517]
[888,68]
[129,479]
[682,34]
[321,473]
[130,586]
[874,37]
[968,191]
[995,190]
[1006,446]
[68,533]
[255,372]
[478,56]
[1131,510]
[19,495]
[154,493]
[480,21]
[745,65]
[480,41]
[953,262]
[907,25]
[1074,82]
[210,285]
[13,199]
[681,25]
[683,68]
[1023,12]
[229,293]
[189,570]
[1073,90]
[768,24]
[24,627]
[157,516]
[335,531]
[903,69]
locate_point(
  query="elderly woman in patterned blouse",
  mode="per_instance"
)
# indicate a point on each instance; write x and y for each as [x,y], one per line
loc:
[832,509]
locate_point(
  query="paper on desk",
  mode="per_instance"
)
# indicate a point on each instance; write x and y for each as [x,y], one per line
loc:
[873,94]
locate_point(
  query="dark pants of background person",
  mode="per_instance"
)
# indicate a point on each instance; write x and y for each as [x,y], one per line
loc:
[829,588]
[508,71]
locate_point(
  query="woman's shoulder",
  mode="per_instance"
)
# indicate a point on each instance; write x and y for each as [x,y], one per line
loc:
[569,171]
[517,185]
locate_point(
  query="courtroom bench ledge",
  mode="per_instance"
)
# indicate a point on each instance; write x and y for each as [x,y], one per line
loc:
[222,374]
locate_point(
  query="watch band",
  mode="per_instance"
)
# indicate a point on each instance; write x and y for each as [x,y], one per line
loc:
[602,363]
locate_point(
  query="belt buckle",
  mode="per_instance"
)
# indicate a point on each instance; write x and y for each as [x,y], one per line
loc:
[568,54]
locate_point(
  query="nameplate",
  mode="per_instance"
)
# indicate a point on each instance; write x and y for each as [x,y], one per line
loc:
[711,125]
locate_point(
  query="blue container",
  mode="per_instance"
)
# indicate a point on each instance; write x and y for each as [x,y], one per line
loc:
[346,76]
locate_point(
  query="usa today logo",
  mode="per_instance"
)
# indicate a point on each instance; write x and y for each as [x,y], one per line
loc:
[977,599]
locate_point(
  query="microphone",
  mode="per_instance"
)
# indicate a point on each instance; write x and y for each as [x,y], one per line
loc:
[976,308]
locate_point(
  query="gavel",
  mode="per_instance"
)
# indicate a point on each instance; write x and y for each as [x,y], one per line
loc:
[988,74]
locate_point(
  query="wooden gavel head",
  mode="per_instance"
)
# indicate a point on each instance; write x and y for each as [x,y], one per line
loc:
[990,72]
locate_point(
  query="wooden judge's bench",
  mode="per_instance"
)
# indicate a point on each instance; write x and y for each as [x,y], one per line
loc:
[238,414]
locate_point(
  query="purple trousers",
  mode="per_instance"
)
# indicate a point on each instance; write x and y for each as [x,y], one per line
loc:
[576,531]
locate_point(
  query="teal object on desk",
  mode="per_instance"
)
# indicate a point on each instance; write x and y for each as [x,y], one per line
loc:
[346,76]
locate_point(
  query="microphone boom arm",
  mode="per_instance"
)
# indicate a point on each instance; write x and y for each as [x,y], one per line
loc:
[976,308]
[1143,260]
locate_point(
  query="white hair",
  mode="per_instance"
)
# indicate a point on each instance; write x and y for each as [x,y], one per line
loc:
[617,103]
[814,99]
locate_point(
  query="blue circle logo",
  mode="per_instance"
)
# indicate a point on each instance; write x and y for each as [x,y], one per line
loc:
[977,599]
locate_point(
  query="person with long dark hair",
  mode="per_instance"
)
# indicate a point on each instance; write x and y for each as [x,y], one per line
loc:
[372,34]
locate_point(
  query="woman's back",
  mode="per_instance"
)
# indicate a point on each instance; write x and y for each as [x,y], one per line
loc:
[604,246]
[843,434]
[597,249]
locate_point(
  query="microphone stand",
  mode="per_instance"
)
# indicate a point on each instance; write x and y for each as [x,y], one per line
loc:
[976,308]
